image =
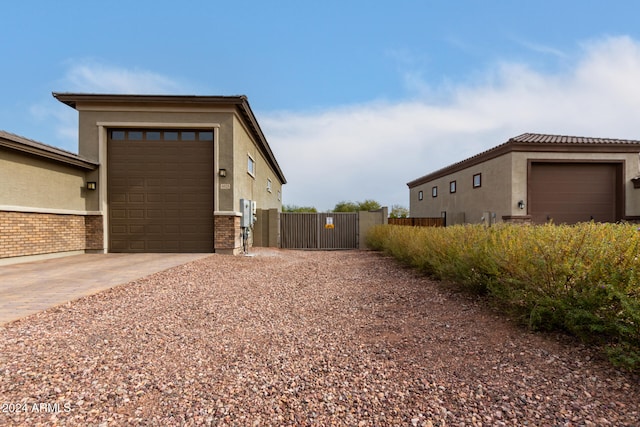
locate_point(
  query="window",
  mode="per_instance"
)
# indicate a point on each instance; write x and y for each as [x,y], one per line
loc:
[251,166]
[153,136]
[160,135]
[171,136]
[452,187]
[434,192]
[420,195]
[206,136]
[477,180]
[117,135]
[279,195]
[188,136]
[268,185]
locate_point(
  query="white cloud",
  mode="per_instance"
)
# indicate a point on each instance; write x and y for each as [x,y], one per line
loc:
[89,76]
[372,150]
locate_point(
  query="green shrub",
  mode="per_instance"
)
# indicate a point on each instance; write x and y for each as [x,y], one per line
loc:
[583,279]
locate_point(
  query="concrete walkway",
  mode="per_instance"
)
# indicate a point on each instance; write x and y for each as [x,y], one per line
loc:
[35,286]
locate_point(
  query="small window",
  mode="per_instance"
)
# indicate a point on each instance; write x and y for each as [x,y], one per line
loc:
[279,195]
[251,166]
[206,136]
[477,180]
[135,135]
[117,135]
[153,136]
[452,187]
[434,192]
[268,185]
[188,136]
[420,195]
[171,136]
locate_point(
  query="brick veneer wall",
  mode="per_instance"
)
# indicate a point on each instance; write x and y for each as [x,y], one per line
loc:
[227,234]
[26,233]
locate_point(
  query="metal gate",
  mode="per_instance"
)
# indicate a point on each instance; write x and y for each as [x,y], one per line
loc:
[319,230]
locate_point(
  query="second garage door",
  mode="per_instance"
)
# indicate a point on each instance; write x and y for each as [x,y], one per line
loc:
[160,190]
[574,192]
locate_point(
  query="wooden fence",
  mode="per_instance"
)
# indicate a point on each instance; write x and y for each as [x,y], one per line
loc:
[419,222]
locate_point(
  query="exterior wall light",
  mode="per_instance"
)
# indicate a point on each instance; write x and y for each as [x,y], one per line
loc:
[521,204]
[91,185]
[222,172]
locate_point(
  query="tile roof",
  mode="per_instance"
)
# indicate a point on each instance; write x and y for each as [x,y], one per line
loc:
[536,142]
[565,139]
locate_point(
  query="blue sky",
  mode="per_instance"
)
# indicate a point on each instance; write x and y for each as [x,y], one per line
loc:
[356,98]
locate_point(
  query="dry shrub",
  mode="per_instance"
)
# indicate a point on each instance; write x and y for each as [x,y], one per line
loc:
[583,279]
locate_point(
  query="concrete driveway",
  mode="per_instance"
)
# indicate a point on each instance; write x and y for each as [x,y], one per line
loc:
[35,286]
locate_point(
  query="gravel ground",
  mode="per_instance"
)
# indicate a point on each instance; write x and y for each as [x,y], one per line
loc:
[298,338]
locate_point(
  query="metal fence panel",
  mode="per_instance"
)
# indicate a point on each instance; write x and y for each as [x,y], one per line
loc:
[319,230]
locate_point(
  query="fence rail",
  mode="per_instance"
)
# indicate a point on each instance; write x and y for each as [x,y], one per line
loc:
[418,222]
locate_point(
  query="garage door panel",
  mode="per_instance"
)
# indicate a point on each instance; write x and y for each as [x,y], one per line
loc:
[154,197]
[573,192]
[171,229]
[154,187]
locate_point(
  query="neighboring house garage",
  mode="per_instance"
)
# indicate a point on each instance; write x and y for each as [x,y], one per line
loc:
[535,178]
[575,192]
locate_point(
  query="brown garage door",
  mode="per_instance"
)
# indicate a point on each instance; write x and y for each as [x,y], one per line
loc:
[160,191]
[574,192]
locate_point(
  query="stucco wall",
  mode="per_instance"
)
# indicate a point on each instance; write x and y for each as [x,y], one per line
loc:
[32,182]
[467,204]
[253,187]
[504,184]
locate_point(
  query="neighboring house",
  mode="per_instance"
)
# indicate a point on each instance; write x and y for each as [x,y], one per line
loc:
[153,173]
[536,178]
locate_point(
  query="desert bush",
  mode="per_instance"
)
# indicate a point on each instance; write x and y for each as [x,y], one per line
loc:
[583,279]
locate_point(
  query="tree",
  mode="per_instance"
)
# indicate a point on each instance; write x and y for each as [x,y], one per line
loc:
[297,209]
[398,211]
[345,207]
[367,205]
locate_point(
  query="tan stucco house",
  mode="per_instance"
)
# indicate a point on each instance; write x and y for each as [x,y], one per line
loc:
[535,178]
[153,173]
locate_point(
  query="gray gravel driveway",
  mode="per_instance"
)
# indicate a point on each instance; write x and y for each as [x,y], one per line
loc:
[298,338]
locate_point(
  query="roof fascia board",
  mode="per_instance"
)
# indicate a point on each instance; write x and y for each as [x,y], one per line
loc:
[73,99]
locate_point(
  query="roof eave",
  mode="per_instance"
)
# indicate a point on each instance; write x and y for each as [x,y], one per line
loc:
[37,149]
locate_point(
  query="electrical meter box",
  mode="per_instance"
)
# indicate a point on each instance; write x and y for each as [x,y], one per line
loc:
[247,215]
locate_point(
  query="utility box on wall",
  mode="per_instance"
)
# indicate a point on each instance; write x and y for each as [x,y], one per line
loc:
[248,211]
[245,210]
